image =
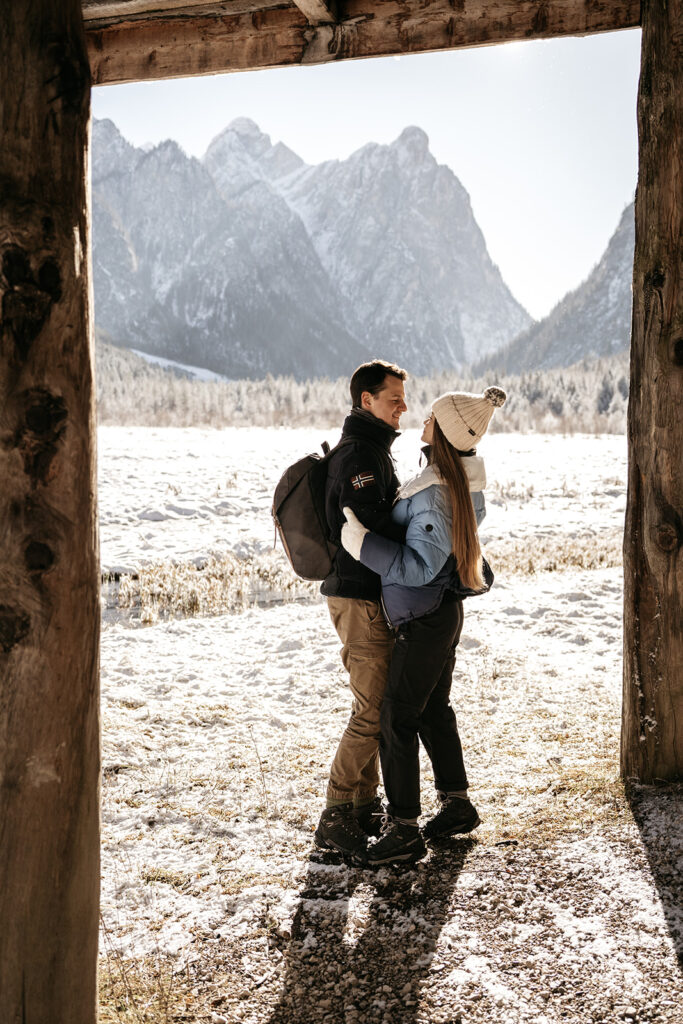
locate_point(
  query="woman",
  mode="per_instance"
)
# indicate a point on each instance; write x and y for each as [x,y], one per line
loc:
[423,584]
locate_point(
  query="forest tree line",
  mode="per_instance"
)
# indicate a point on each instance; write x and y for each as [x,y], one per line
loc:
[590,397]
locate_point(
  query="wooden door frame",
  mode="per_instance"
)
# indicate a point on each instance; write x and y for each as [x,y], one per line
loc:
[49,587]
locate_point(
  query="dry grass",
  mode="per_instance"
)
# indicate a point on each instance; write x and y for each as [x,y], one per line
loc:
[217,586]
[558,554]
[175,879]
[149,990]
[227,584]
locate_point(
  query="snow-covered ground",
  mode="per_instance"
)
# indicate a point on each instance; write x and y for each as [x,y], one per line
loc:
[218,732]
[181,494]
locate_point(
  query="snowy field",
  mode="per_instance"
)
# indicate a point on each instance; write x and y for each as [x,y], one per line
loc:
[181,494]
[218,733]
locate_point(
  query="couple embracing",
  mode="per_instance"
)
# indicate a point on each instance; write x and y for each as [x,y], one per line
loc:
[409,555]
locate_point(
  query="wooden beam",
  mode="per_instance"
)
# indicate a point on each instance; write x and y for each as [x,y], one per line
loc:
[652,724]
[49,576]
[166,48]
[317,12]
[99,13]
[97,10]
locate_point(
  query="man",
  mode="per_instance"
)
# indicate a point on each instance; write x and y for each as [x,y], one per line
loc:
[361,476]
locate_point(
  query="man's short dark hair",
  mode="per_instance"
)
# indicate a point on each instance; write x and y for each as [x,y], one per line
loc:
[370,377]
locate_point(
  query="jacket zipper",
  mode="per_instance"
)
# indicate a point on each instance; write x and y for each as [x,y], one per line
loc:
[385,613]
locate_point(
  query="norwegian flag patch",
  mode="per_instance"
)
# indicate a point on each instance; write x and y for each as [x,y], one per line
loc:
[361,480]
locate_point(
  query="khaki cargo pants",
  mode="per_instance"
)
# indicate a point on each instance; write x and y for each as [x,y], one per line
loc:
[368,644]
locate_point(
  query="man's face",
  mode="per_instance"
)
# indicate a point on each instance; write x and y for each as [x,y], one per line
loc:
[389,404]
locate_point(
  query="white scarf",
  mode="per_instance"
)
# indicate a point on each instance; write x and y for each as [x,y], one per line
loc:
[427,477]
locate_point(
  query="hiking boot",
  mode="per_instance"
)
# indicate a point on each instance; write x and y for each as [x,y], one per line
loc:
[457,815]
[398,844]
[369,817]
[338,830]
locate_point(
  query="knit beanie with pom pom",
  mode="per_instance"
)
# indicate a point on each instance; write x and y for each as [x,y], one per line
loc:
[464,418]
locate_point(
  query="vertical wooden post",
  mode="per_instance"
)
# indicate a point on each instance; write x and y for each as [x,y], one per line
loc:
[652,724]
[49,576]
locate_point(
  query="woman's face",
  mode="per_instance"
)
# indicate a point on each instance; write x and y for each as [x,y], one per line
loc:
[428,432]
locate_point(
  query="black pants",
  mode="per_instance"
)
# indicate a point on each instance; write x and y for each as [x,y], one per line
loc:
[416,704]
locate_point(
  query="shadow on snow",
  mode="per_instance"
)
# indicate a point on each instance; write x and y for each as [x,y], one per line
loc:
[362,940]
[658,812]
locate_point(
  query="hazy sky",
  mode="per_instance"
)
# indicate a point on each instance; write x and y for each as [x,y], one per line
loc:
[541,134]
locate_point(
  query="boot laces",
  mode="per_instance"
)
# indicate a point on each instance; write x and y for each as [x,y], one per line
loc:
[345,822]
[388,824]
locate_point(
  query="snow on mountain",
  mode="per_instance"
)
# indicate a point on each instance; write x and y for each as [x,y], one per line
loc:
[242,154]
[251,262]
[228,283]
[396,231]
[594,320]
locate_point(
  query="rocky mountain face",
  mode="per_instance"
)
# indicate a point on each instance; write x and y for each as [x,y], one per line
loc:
[592,321]
[396,231]
[250,262]
[181,271]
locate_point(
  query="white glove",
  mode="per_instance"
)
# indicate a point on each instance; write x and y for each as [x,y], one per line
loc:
[352,534]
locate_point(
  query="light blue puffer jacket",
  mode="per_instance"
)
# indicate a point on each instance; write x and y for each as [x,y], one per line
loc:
[416,574]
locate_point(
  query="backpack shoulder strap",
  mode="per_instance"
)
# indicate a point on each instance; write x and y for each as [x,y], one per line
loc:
[343,443]
[353,440]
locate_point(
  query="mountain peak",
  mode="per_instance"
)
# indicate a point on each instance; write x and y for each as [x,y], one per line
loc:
[109,148]
[413,139]
[242,154]
[245,126]
[105,126]
[592,321]
[241,136]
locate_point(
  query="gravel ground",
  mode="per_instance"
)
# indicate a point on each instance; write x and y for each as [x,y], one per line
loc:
[565,905]
[516,932]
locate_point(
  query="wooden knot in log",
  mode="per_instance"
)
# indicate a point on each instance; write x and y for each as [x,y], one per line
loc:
[28,297]
[666,537]
[45,413]
[38,557]
[43,427]
[14,627]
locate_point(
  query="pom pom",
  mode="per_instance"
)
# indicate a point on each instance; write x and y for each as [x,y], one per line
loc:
[496,396]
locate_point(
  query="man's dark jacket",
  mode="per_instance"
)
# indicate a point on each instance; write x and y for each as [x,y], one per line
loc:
[361,476]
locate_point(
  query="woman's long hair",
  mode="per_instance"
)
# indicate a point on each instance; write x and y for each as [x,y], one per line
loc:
[464,537]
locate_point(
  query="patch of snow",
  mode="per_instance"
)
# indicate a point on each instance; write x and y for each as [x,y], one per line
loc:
[197,372]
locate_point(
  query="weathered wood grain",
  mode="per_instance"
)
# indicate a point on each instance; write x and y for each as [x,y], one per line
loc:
[123,9]
[99,13]
[652,727]
[49,578]
[318,12]
[164,47]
